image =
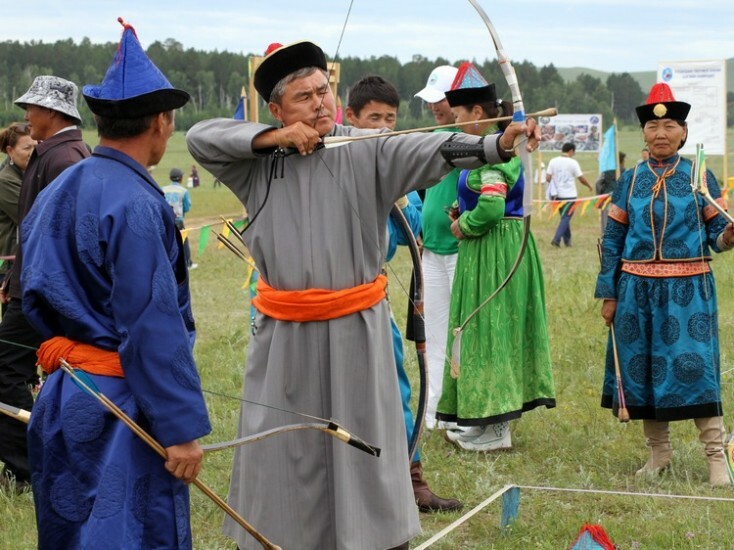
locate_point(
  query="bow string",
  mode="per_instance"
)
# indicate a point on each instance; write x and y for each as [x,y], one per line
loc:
[518,116]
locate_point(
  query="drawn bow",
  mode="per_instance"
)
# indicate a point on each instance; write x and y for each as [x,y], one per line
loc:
[527,201]
[415,300]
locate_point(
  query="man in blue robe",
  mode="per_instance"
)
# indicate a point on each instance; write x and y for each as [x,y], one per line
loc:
[105,280]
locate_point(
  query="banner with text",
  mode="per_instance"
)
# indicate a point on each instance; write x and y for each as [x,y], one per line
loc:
[703,85]
[583,130]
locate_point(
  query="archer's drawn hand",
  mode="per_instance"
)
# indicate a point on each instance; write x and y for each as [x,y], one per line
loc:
[527,130]
[184,460]
[608,309]
[298,136]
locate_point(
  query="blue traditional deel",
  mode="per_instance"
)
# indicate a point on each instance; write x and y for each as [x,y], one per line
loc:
[133,86]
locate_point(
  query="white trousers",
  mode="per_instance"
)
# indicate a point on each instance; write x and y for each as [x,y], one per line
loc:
[438,275]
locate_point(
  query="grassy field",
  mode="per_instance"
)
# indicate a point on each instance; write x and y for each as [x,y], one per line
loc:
[576,445]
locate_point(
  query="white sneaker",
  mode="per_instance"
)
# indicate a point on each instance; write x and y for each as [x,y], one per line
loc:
[495,437]
[445,425]
[193,266]
[463,434]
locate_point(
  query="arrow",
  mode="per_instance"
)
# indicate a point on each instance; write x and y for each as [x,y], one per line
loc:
[336,141]
[14,412]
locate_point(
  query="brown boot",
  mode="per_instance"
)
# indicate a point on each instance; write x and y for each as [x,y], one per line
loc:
[658,441]
[425,499]
[404,546]
[712,436]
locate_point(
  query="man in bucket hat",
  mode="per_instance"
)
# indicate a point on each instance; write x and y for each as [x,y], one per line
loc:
[320,238]
[50,106]
[106,286]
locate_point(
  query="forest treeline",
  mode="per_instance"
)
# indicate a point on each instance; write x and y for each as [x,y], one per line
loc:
[215,80]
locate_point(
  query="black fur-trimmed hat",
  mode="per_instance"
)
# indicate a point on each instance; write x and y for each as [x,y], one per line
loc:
[471,96]
[280,61]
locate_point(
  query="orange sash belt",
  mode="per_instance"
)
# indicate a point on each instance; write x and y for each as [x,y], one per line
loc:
[88,358]
[666,269]
[317,304]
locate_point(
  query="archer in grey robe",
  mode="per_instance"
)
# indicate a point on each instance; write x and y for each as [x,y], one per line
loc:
[323,226]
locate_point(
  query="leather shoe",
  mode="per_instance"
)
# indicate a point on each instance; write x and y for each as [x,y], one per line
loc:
[425,499]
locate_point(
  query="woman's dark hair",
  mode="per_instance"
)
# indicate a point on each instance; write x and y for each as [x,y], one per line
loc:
[494,109]
[9,136]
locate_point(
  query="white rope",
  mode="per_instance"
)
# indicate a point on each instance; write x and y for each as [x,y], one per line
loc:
[462,519]
[441,534]
[624,493]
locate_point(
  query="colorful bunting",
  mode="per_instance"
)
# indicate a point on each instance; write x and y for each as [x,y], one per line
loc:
[556,206]
[204,238]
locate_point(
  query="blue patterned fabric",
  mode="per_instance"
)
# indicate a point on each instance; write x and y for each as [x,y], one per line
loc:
[668,344]
[666,328]
[104,266]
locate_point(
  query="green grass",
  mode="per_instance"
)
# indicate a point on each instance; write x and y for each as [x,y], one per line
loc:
[576,445]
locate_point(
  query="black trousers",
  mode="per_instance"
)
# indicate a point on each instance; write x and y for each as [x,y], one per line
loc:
[17,371]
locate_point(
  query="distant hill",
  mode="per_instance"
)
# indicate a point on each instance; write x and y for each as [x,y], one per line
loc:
[645,78]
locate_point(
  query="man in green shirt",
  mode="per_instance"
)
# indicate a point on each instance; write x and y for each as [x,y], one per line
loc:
[440,247]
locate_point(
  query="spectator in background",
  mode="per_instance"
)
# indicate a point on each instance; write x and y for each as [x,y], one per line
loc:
[440,247]
[194,176]
[605,184]
[645,154]
[16,142]
[561,174]
[178,197]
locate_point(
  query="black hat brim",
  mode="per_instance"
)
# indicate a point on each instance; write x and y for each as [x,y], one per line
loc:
[285,61]
[152,103]
[471,96]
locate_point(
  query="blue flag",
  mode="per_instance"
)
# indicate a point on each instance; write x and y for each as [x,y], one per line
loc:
[608,153]
[239,112]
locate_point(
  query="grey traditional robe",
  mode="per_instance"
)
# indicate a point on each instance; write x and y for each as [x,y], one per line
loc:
[323,226]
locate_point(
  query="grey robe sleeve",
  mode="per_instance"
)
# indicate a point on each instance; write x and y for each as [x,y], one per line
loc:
[223,146]
[414,161]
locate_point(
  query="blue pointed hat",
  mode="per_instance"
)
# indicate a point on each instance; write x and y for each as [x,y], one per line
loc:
[133,86]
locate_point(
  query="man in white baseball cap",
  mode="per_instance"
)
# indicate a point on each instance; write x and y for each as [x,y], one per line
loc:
[440,247]
[434,94]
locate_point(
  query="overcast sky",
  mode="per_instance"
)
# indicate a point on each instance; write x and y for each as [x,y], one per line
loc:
[608,35]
